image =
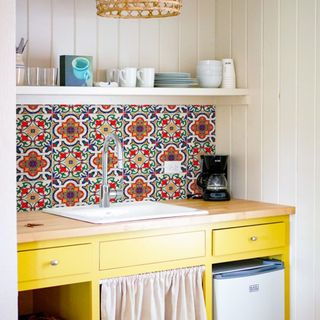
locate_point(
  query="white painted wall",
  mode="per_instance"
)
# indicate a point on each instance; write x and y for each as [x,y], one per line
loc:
[56,27]
[8,272]
[274,142]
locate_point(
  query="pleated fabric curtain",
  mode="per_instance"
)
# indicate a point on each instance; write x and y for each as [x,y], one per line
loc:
[167,295]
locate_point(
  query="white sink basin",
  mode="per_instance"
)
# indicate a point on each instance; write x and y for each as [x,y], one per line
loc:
[127,211]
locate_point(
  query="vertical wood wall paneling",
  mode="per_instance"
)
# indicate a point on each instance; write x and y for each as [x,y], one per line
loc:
[149,43]
[39,54]
[270,151]
[129,43]
[169,44]
[108,47]
[288,124]
[255,71]
[22,27]
[188,41]
[206,29]
[239,114]
[317,174]
[62,29]
[86,29]
[306,161]
[223,29]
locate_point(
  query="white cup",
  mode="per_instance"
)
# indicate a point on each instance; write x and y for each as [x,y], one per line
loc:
[128,77]
[228,77]
[145,77]
[113,75]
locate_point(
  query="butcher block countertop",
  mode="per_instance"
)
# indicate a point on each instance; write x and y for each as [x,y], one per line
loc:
[40,226]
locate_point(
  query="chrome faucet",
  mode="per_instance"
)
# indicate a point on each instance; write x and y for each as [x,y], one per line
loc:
[104,191]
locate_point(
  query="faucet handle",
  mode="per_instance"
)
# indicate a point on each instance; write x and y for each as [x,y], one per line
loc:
[115,193]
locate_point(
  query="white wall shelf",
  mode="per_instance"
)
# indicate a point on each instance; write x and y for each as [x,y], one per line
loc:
[98,95]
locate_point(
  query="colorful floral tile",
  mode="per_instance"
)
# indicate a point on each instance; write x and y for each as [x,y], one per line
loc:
[69,192]
[139,159]
[195,150]
[95,162]
[172,128]
[171,186]
[201,124]
[170,152]
[70,109]
[193,188]
[33,195]
[139,188]
[34,131]
[70,162]
[139,109]
[139,128]
[101,125]
[33,109]
[33,164]
[94,185]
[70,130]
[171,109]
[106,109]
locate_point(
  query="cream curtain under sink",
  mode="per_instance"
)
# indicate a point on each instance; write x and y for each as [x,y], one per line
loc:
[167,295]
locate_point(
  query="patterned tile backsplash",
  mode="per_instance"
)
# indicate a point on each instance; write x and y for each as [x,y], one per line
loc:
[59,151]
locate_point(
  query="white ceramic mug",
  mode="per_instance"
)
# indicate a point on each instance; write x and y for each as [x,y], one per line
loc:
[128,77]
[113,75]
[145,77]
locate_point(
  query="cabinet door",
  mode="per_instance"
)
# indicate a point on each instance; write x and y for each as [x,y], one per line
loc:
[250,238]
[154,249]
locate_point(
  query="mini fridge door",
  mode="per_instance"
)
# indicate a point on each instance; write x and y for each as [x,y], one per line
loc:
[249,295]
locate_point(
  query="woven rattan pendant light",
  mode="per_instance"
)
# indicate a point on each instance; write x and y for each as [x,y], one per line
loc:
[138,9]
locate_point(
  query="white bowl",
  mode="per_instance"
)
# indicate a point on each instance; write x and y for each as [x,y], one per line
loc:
[209,81]
[210,62]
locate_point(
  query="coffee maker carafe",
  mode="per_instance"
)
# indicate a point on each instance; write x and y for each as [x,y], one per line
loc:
[213,178]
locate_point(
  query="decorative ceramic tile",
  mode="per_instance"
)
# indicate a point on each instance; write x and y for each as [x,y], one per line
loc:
[69,192]
[192,187]
[107,108]
[171,109]
[70,109]
[70,130]
[136,109]
[34,131]
[170,152]
[201,126]
[171,186]
[34,195]
[94,184]
[101,125]
[139,128]
[172,128]
[139,159]
[70,162]
[33,165]
[95,161]
[34,109]
[139,188]
[195,150]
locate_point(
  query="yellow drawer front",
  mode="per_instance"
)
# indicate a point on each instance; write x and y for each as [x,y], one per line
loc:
[54,262]
[146,250]
[244,239]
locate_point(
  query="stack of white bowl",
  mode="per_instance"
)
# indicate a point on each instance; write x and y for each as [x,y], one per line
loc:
[209,73]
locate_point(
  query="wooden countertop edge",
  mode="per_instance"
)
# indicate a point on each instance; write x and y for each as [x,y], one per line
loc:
[58,226]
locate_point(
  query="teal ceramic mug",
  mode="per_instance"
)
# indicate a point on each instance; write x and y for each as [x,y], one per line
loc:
[81,68]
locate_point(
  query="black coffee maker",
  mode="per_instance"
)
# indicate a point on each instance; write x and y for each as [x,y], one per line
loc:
[213,178]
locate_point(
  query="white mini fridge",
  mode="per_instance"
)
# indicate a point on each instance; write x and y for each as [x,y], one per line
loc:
[249,290]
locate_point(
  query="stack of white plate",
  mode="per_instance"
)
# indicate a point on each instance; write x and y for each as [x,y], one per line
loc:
[174,80]
[209,73]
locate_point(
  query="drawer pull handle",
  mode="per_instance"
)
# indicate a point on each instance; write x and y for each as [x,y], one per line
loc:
[254,238]
[54,262]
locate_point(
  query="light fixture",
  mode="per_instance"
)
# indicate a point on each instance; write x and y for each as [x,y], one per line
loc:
[138,9]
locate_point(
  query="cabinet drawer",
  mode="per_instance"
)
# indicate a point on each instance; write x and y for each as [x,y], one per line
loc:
[54,262]
[154,249]
[251,238]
